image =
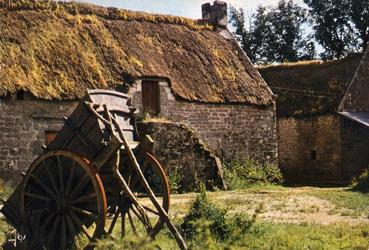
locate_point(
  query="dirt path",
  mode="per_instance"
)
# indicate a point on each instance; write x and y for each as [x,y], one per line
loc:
[292,205]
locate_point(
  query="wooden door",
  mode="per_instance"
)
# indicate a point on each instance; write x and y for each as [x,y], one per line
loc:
[151,97]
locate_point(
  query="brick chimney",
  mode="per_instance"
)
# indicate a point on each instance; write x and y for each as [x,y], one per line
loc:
[215,14]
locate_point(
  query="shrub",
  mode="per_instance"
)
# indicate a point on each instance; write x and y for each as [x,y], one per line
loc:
[175,179]
[207,227]
[5,190]
[243,172]
[202,209]
[361,183]
[203,238]
[132,243]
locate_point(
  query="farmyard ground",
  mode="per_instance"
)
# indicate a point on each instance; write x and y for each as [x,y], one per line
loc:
[286,217]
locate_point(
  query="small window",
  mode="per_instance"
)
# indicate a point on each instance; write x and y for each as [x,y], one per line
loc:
[50,136]
[313,155]
[20,94]
[151,97]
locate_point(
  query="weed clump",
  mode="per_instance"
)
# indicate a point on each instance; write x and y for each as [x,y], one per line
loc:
[5,190]
[203,237]
[243,172]
[203,210]
[129,242]
[175,179]
[361,182]
[206,226]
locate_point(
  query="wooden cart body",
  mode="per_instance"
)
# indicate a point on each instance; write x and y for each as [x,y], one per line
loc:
[99,137]
[82,134]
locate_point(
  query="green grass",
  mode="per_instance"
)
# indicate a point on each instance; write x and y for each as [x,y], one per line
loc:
[266,235]
[252,233]
[248,233]
[3,230]
[345,199]
[5,190]
[260,187]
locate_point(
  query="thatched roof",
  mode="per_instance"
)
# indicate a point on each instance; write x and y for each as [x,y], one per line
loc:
[356,98]
[57,51]
[310,88]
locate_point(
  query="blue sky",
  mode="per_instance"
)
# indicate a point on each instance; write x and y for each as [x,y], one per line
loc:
[186,8]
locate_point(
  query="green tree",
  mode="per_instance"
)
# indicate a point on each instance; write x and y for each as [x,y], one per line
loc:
[359,13]
[274,33]
[341,26]
[242,35]
[287,19]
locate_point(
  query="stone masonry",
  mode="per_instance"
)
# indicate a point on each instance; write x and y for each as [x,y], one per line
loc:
[309,149]
[355,149]
[229,130]
[22,125]
[181,152]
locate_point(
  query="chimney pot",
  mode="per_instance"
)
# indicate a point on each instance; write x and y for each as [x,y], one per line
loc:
[215,14]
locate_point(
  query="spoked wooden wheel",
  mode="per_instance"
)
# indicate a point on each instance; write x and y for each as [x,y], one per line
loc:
[127,218]
[64,202]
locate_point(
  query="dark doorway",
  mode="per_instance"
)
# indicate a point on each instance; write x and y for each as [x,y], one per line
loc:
[313,155]
[151,97]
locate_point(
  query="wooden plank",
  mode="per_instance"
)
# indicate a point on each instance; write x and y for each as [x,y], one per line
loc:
[107,152]
[90,146]
[64,138]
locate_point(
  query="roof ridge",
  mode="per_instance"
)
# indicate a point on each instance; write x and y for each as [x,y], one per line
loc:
[108,13]
[311,62]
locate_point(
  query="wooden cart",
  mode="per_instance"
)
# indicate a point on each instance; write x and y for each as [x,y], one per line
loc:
[96,178]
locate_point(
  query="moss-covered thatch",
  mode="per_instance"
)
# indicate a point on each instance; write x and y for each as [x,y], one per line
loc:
[310,88]
[56,51]
[356,98]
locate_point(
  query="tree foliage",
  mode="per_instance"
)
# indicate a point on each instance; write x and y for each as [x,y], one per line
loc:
[275,34]
[334,25]
[359,13]
[332,29]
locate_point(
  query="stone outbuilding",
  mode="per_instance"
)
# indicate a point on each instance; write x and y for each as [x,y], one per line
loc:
[310,143]
[354,111]
[323,118]
[184,71]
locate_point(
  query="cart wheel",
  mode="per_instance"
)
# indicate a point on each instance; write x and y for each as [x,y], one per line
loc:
[132,221]
[64,202]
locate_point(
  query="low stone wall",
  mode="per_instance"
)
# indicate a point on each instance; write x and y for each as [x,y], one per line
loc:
[229,130]
[310,149]
[355,149]
[182,152]
[22,132]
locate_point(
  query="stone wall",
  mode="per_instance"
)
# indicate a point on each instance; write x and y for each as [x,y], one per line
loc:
[183,154]
[309,148]
[22,131]
[229,130]
[355,149]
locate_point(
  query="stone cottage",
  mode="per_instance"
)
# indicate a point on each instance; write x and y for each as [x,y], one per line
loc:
[309,130]
[354,111]
[190,72]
